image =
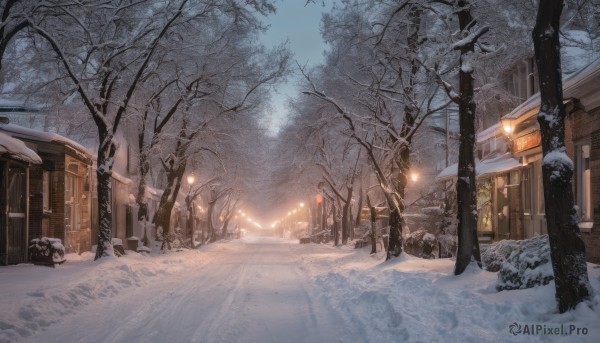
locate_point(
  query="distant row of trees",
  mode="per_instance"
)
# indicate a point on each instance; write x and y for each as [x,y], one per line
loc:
[188,77]
[391,67]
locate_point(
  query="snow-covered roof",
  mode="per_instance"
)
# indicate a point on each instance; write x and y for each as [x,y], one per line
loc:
[486,167]
[491,132]
[16,149]
[27,133]
[580,84]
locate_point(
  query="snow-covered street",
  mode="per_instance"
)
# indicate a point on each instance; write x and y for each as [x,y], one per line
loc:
[262,289]
[250,291]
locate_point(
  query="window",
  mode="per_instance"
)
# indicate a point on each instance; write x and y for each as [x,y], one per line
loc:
[584,185]
[46,191]
[502,210]
[522,82]
[484,205]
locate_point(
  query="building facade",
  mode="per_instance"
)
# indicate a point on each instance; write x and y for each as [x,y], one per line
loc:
[510,191]
[59,188]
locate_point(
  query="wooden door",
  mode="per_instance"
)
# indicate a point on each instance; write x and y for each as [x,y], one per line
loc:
[17,208]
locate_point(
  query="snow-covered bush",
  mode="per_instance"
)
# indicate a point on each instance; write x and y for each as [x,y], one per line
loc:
[421,244]
[46,251]
[527,266]
[495,254]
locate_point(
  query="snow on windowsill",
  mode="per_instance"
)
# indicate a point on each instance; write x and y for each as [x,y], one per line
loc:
[586,227]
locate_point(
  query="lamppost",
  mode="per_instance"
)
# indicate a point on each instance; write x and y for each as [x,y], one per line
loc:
[190,208]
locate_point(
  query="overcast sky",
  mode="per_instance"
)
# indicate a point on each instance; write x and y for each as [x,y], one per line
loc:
[300,25]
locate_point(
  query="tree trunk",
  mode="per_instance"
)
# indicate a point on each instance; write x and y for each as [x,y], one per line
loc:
[162,218]
[336,225]
[141,200]
[373,213]
[190,221]
[468,244]
[323,215]
[351,224]
[104,247]
[359,205]
[395,236]
[403,158]
[346,220]
[212,237]
[566,246]
[225,224]
[106,153]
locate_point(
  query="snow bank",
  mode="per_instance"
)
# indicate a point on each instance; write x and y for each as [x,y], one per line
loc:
[415,300]
[35,297]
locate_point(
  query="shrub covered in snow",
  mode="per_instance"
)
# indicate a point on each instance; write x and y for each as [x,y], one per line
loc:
[421,244]
[46,251]
[495,254]
[527,266]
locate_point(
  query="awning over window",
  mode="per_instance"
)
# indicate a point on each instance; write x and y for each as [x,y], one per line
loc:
[486,167]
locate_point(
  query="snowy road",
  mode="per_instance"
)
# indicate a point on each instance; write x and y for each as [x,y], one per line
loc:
[273,290]
[250,291]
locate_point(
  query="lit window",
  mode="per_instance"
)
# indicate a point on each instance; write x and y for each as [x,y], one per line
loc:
[584,185]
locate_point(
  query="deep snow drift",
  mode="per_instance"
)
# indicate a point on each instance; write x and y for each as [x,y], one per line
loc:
[271,290]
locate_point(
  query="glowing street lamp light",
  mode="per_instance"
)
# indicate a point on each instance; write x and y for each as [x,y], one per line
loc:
[414,177]
[508,125]
[191,179]
[301,204]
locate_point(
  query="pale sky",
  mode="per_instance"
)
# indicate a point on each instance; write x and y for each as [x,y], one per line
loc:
[300,25]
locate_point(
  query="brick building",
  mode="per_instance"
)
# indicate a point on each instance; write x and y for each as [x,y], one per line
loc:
[60,188]
[509,171]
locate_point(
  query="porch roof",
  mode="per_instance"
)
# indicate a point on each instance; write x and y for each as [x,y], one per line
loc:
[490,166]
[16,149]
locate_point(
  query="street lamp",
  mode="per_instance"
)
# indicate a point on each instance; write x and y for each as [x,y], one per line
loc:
[508,125]
[190,208]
